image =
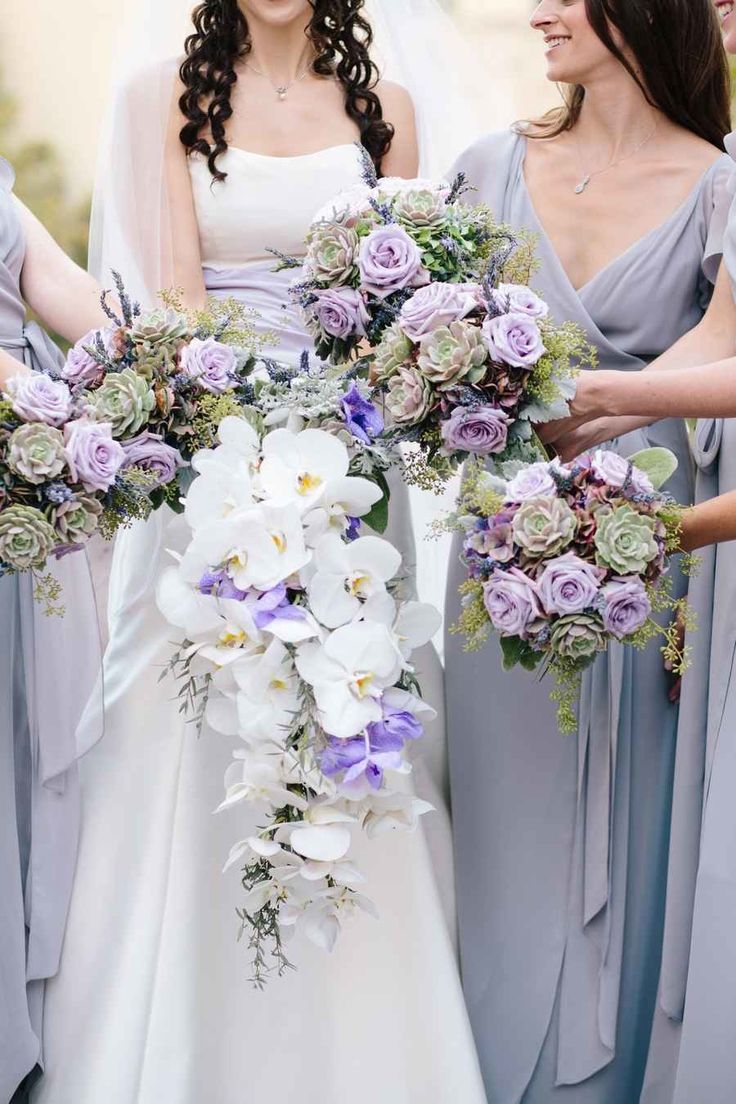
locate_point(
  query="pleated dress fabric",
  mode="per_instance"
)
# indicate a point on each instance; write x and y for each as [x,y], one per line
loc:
[697,1008]
[48,666]
[562,841]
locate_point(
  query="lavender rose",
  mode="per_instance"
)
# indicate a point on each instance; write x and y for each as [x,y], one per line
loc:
[569,585]
[93,455]
[519,299]
[340,312]
[483,430]
[81,368]
[390,261]
[511,601]
[514,339]
[36,452]
[38,398]
[409,396]
[531,482]
[627,606]
[433,306]
[210,363]
[152,454]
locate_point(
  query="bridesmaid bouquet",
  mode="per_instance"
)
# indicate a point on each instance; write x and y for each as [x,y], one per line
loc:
[298,643]
[112,439]
[435,295]
[564,560]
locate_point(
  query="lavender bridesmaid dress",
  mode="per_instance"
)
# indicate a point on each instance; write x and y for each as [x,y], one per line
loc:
[562,842]
[47,668]
[697,1013]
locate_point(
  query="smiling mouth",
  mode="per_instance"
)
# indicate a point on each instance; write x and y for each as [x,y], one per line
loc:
[559,40]
[724,10]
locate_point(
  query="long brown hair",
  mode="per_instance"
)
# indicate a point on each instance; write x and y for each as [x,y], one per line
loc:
[679,64]
[341,38]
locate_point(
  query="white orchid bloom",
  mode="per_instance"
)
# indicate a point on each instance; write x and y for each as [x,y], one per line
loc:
[349,673]
[259,547]
[297,467]
[350,496]
[235,637]
[415,625]
[322,836]
[392,812]
[349,576]
[268,697]
[258,778]
[196,614]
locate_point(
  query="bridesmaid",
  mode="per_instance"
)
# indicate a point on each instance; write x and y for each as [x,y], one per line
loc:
[562,843]
[47,668]
[697,1014]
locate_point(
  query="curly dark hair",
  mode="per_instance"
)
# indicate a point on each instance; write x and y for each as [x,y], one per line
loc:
[341,38]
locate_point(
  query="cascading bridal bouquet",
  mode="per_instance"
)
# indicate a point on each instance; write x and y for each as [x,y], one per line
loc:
[564,560]
[298,643]
[463,351]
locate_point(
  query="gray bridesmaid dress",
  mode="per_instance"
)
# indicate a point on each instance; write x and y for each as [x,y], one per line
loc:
[697,1012]
[48,668]
[562,842]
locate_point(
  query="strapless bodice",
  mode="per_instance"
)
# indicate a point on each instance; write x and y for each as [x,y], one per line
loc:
[265,202]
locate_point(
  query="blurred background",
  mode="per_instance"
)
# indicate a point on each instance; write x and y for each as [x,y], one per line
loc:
[54,78]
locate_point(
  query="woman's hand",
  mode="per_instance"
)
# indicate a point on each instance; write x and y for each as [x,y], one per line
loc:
[10,367]
[590,435]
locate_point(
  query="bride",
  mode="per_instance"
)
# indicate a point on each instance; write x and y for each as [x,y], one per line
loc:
[153,1002]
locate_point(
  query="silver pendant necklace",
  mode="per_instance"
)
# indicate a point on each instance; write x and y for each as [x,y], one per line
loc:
[281,90]
[588,177]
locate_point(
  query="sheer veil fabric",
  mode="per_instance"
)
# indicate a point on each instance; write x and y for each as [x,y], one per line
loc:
[416,44]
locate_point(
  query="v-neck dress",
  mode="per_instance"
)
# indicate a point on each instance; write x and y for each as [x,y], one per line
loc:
[48,666]
[698,992]
[562,842]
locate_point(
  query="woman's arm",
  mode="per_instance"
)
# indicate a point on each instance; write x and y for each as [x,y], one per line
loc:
[63,295]
[402,158]
[182,230]
[711,522]
[696,377]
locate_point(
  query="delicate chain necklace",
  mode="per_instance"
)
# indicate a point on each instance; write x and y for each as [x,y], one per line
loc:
[588,177]
[281,90]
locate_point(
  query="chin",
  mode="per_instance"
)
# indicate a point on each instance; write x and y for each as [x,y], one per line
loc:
[277,13]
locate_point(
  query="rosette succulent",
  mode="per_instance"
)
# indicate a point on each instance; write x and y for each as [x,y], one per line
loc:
[421,206]
[125,400]
[579,636]
[452,354]
[394,350]
[26,538]
[409,396]
[625,540]
[544,526]
[36,452]
[332,254]
[159,327]
[76,519]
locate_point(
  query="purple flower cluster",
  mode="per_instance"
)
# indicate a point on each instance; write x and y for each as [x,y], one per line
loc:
[364,759]
[546,558]
[362,418]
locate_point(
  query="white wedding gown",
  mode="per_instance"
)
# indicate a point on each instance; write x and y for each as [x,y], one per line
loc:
[153,1004]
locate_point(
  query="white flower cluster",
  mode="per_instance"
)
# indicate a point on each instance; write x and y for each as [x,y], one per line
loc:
[294,620]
